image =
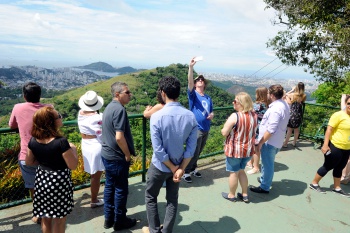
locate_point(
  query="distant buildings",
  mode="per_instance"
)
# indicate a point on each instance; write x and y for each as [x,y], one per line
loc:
[310,85]
[57,78]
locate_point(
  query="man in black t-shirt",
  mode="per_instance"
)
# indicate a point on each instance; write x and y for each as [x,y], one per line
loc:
[117,148]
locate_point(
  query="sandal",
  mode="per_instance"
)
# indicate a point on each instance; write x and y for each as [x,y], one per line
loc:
[243,198]
[285,146]
[100,202]
[253,171]
[225,195]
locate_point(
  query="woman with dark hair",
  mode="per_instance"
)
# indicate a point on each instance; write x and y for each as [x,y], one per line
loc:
[260,107]
[297,98]
[336,149]
[56,157]
[152,109]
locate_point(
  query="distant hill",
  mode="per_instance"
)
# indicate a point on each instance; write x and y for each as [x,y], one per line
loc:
[105,67]
[126,70]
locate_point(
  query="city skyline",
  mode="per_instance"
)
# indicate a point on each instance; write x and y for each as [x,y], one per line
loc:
[230,35]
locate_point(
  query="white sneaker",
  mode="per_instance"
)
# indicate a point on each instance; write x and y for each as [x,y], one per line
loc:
[187,178]
[100,202]
[196,174]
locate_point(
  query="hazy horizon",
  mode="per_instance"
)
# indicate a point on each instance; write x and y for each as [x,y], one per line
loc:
[295,75]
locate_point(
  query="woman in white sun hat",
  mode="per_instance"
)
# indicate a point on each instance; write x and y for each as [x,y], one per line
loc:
[90,127]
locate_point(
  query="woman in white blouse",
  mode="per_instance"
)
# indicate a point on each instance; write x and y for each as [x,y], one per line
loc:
[90,127]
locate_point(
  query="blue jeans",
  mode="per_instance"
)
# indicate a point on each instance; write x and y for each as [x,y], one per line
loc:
[116,189]
[268,154]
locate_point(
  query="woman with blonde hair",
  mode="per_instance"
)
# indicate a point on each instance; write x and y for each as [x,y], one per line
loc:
[297,98]
[53,199]
[260,106]
[239,130]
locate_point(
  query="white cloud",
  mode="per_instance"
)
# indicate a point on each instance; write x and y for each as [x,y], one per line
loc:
[229,34]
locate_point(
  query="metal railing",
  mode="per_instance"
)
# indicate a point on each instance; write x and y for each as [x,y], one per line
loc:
[307,131]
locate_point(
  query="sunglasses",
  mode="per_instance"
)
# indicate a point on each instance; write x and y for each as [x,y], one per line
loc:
[235,101]
[348,103]
[200,79]
[126,92]
[59,116]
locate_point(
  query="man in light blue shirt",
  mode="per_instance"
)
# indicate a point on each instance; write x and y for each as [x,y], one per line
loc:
[272,131]
[174,136]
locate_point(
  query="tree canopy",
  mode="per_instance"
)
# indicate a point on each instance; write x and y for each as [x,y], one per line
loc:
[316,35]
[329,93]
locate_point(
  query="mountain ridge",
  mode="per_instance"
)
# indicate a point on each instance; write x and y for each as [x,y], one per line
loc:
[105,67]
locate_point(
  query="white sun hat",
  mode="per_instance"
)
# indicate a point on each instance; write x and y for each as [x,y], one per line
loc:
[90,101]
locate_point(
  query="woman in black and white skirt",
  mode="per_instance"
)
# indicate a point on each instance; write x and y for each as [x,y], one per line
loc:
[53,199]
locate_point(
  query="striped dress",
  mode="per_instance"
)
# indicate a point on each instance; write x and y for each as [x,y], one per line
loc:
[241,140]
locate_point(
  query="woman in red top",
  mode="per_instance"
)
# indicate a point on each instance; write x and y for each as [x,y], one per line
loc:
[240,130]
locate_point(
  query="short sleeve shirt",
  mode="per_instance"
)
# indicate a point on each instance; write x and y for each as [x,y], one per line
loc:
[50,154]
[201,106]
[115,118]
[340,122]
[22,118]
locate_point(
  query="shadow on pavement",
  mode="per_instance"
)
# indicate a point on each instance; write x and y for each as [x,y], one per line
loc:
[284,187]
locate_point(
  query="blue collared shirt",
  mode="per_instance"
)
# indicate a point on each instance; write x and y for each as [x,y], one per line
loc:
[173,135]
[275,121]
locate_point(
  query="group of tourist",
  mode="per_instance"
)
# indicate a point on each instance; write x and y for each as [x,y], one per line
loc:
[253,131]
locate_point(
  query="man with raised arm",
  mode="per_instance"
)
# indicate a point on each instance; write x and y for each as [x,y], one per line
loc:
[202,107]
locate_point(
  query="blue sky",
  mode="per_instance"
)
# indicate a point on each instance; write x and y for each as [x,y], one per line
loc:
[231,35]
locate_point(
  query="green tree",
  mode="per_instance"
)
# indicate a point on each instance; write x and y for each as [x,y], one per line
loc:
[316,36]
[329,93]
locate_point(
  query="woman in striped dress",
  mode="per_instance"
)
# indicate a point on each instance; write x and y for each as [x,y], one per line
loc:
[239,131]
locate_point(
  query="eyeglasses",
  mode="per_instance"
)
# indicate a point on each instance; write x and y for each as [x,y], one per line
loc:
[59,116]
[126,92]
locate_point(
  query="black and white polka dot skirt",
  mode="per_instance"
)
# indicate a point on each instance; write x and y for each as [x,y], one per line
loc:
[53,193]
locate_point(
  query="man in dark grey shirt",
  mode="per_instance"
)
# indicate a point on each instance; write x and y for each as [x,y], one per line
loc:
[117,148]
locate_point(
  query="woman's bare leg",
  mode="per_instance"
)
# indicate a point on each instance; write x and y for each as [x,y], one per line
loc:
[46,225]
[59,225]
[95,186]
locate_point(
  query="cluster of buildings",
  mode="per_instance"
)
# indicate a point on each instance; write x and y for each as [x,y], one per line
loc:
[56,78]
[288,84]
